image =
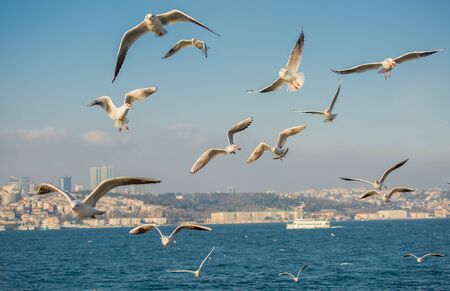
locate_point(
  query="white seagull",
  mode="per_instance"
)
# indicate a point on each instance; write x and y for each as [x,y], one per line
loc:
[420,259]
[119,115]
[197,273]
[279,151]
[201,45]
[377,184]
[388,64]
[386,197]
[152,23]
[166,240]
[230,149]
[327,113]
[296,279]
[7,188]
[86,208]
[289,74]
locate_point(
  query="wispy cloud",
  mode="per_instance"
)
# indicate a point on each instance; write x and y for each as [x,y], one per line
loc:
[188,131]
[97,137]
[42,134]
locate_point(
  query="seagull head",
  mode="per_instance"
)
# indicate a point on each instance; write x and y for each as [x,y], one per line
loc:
[391,62]
[76,205]
[231,149]
[150,17]
[165,241]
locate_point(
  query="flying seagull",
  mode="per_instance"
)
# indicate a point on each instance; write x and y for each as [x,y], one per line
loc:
[377,184]
[388,64]
[327,113]
[386,196]
[289,75]
[119,115]
[86,208]
[166,240]
[296,279]
[154,23]
[420,259]
[7,188]
[279,151]
[230,149]
[201,45]
[197,273]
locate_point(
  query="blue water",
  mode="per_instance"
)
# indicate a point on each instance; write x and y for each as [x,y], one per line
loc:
[247,257]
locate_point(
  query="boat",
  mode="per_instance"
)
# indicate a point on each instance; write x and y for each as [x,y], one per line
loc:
[307,223]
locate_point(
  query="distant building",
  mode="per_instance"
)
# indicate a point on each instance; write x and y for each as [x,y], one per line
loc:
[98,174]
[26,182]
[16,182]
[230,190]
[251,217]
[65,183]
[78,188]
[393,214]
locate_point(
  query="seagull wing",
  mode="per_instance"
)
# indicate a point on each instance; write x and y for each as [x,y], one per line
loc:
[370,193]
[409,255]
[257,152]
[109,184]
[205,158]
[414,55]
[282,136]
[45,188]
[400,190]
[272,87]
[174,16]
[145,228]
[138,94]
[359,68]
[333,101]
[240,126]
[181,271]
[287,274]
[106,103]
[127,41]
[356,180]
[191,227]
[391,169]
[433,255]
[204,260]
[7,189]
[178,46]
[313,112]
[301,270]
[296,54]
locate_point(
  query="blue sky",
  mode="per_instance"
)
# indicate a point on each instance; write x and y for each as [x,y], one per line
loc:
[58,55]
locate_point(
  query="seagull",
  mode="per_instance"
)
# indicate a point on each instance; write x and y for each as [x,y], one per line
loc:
[201,45]
[166,240]
[377,184]
[86,208]
[7,189]
[289,75]
[296,279]
[119,115]
[420,259]
[154,23]
[197,273]
[279,150]
[386,197]
[230,149]
[327,113]
[388,64]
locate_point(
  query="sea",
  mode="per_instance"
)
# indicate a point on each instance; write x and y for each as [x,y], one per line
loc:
[349,256]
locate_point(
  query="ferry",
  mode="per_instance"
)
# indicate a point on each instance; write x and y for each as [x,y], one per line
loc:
[304,223]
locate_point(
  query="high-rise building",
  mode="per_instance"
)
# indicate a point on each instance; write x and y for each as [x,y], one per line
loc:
[65,183]
[26,185]
[98,174]
[16,182]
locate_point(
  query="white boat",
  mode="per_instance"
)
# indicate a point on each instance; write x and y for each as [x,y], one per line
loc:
[304,223]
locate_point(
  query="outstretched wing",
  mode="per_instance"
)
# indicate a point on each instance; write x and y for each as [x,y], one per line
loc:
[356,180]
[282,136]
[433,255]
[240,126]
[370,193]
[400,190]
[174,16]
[272,87]
[296,54]
[127,41]
[45,188]
[257,152]
[205,158]
[391,169]
[178,46]
[145,228]
[287,274]
[181,271]
[359,68]
[204,260]
[109,184]
[301,270]
[333,101]
[409,255]
[191,227]
[414,55]
[313,112]
[106,103]
[139,94]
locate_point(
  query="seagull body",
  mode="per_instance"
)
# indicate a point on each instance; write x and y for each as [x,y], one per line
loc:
[327,113]
[294,278]
[420,259]
[201,45]
[388,64]
[152,23]
[377,184]
[196,273]
[279,151]
[119,115]
[289,75]
[386,197]
[230,149]
[166,240]
[86,208]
